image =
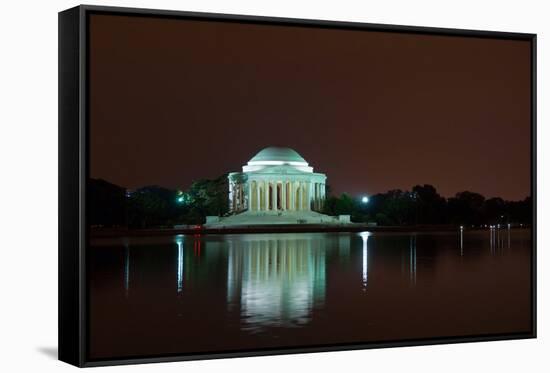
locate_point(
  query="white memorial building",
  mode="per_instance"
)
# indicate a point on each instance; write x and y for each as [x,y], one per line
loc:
[276,179]
[277,186]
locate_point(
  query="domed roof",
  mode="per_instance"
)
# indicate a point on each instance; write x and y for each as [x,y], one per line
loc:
[278,154]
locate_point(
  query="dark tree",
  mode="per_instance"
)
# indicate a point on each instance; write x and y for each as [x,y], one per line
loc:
[495,210]
[520,211]
[152,206]
[395,207]
[466,208]
[107,205]
[210,197]
[429,205]
[343,205]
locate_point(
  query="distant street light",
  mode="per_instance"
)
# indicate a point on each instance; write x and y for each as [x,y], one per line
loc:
[365,199]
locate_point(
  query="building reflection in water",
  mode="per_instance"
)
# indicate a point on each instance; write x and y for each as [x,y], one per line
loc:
[365,238]
[276,280]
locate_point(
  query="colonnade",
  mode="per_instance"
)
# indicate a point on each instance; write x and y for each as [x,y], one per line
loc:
[285,195]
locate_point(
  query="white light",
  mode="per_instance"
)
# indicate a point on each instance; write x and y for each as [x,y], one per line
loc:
[365,199]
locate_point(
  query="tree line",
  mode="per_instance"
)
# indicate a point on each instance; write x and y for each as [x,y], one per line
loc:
[153,206]
[422,205]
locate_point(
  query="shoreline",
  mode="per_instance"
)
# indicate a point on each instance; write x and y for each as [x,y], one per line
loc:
[293,228]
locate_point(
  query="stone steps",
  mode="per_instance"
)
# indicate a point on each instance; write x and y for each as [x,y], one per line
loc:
[273,218]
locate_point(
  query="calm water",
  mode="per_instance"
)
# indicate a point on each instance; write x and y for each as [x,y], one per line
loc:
[192,294]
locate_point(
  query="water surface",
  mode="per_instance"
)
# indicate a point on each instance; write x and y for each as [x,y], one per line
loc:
[203,293]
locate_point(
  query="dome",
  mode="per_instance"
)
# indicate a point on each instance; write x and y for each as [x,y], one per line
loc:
[278,155]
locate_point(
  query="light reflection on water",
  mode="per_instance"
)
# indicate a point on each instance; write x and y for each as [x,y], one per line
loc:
[179,242]
[257,288]
[365,238]
[412,258]
[275,280]
[499,239]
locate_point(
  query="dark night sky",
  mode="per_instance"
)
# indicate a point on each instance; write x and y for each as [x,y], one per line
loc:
[174,101]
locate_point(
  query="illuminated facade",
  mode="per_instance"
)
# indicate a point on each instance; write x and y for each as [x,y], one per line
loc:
[276,180]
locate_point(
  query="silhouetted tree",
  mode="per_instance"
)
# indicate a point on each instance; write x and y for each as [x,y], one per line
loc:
[466,208]
[494,210]
[395,207]
[152,206]
[520,211]
[107,204]
[343,205]
[210,197]
[429,205]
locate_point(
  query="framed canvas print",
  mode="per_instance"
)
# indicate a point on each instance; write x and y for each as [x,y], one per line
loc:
[238,186]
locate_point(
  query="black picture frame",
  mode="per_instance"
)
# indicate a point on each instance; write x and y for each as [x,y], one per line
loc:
[73,175]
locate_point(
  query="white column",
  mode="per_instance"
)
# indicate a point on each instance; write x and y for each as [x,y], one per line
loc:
[291,195]
[259,184]
[283,195]
[308,195]
[294,196]
[274,196]
[287,195]
[257,196]
[300,196]
[266,192]
[249,199]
